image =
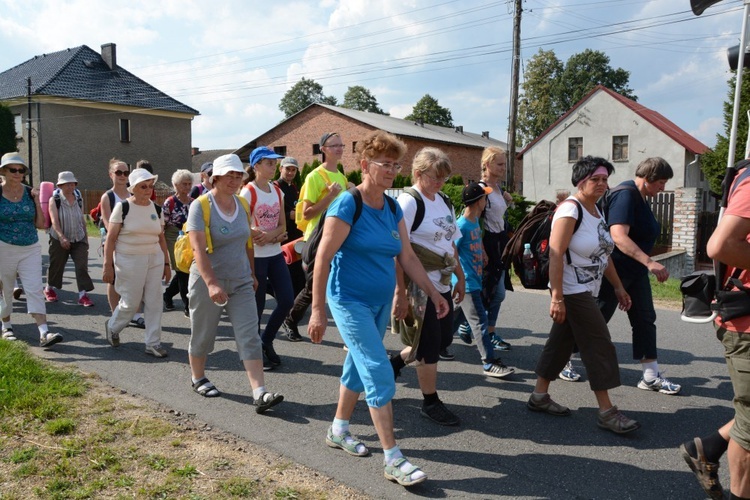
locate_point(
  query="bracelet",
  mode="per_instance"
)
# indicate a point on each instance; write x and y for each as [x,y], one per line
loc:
[558,301]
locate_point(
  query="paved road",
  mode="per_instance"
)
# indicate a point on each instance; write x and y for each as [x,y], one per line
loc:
[501,450]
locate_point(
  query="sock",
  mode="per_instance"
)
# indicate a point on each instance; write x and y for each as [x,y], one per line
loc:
[137,316]
[714,446]
[81,294]
[392,455]
[43,330]
[339,427]
[258,391]
[397,362]
[538,395]
[650,371]
[50,288]
[430,399]
[7,324]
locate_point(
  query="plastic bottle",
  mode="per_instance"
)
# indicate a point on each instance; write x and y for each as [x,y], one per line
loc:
[529,265]
[103,232]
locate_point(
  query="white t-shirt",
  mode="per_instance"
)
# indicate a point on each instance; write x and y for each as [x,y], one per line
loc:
[589,248]
[265,214]
[495,211]
[139,234]
[437,232]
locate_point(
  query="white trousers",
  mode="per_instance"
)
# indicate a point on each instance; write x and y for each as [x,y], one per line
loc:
[138,279]
[26,261]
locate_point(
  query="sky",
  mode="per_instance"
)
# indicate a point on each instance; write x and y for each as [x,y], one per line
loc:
[233,60]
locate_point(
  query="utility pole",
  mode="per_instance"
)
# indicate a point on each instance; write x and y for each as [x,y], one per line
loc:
[511,160]
[28,128]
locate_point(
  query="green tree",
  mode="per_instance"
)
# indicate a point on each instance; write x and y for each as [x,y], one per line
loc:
[429,111]
[301,95]
[8,141]
[714,162]
[550,88]
[361,99]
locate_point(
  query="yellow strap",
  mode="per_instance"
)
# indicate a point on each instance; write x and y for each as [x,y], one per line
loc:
[206,208]
[245,205]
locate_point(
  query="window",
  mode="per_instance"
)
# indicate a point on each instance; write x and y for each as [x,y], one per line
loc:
[316,149]
[575,148]
[280,150]
[354,147]
[18,121]
[124,130]
[619,147]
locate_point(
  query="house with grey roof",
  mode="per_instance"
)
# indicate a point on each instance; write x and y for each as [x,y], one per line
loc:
[299,134]
[85,109]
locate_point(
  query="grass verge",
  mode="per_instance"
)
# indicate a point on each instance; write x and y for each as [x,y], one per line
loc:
[64,434]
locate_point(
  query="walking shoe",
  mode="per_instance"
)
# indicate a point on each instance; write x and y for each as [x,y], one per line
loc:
[291,331]
[546,405]
[138,323]
[497,369]
[464,332]
[186,313]
[8,334]
[168,303]
[439,413]
[706,472]
[112,338]
[614,420]
[156,351]
[569,373]
[446,355]
[267,400]
[659,384]
[347,442]
[17,292]
[499,344]
[270,353]
[85,301]
[50,295]
[267,365]
[49,339]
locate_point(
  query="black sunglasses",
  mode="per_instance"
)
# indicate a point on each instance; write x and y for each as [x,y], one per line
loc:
[16,170]
[121,173]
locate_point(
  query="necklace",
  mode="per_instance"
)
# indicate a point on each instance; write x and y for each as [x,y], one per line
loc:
[12,196]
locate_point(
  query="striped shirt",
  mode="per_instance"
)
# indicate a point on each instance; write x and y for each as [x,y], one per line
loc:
[70,216]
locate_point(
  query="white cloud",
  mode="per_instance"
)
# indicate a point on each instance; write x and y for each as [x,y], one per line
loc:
[707,130]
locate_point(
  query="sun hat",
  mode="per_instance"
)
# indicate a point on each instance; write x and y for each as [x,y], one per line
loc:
[474,192]
[13,158]
[225,164]
[66,177]
[260,153]
[140,175]
[289,162]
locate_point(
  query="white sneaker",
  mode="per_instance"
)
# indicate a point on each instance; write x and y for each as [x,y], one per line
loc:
[156,351]
[569,373]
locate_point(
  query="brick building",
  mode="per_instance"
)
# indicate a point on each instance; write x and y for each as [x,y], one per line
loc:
[299,134]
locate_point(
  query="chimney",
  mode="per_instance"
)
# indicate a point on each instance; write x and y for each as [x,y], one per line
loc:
[109,54]
[460,129]
[419,122]
[486,134]
[194,151]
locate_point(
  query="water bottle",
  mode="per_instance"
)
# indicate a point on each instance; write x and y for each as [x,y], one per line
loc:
[529,265]
[182,233]
[102,232]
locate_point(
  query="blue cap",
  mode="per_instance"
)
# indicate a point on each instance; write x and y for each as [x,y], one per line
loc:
[262,152]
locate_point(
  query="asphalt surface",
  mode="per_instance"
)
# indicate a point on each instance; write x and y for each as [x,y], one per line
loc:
[500,450]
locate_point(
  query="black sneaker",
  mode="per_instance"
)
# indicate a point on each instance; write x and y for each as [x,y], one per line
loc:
[292,333]
[446,355]
[267,400]
[187,313]
[440,414]
[270,353]
[267,365]
[168,303]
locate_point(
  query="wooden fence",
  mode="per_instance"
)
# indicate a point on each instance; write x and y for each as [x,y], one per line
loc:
[662,205]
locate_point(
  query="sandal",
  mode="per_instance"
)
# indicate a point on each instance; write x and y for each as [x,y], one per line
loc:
[205,388]
[348,445]
[393,472]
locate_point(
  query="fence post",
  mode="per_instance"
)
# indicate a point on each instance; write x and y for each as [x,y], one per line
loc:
[687,205]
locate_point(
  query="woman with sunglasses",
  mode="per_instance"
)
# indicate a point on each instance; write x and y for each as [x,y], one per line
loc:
[136,251]
[20,252]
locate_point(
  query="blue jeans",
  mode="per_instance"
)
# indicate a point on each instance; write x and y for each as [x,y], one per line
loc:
[642,315]
[273,270]
[366,367]
[472,310]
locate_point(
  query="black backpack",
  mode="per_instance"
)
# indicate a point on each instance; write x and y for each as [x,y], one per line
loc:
[419,215]
[535,229]
[310,250]
[126,209]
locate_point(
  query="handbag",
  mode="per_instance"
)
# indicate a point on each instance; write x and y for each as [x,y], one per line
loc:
[698,291]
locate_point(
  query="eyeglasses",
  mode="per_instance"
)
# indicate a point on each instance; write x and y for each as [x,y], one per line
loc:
[440,180]
[337,146]
[393,167]
[121,173]
[16,170]
[146,186]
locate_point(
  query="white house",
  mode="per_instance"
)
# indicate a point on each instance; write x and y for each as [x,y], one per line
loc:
[614,127]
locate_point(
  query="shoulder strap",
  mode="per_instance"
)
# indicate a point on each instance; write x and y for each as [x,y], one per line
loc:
[205,203]
[446,199]
[579,219]
[158,209]
[244,204]
[745,173]
[56,197]
[278,193]
[323,172]
[357,195]
[391,204]
[253,196]
[419,215]
[111,196]
[125,209]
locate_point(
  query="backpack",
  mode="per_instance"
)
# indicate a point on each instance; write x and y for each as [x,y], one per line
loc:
[183,251]
[419,215]
[299,209]
[535,229]
[254,197]
[310,249]
[603,203]
[96,212]
[56,197]
[126,208]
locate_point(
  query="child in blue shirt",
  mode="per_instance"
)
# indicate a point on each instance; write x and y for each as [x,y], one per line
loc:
[470,256]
